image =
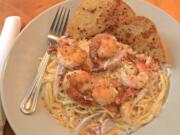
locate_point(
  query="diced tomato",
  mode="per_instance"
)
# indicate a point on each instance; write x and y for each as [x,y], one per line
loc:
[126,95]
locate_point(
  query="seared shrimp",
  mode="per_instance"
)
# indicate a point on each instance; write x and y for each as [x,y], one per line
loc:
[134,74]
[77,85]
[150,63]
[69,54]
[87,90]
[65,41]
[105,52]
[105,90]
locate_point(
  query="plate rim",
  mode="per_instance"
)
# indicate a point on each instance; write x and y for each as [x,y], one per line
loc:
[13,126]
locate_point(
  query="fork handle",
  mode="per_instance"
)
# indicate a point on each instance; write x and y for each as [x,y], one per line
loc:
[29,102]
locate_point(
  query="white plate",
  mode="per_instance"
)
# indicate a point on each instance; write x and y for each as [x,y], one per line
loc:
[30,45]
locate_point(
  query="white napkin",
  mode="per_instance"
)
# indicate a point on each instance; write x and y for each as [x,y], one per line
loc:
[9,32]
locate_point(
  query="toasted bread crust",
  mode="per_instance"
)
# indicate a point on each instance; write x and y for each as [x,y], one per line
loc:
[141,34]
[122,12]
[117,18]
[94,16]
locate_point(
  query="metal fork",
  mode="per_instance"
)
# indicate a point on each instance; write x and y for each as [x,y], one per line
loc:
[57,29]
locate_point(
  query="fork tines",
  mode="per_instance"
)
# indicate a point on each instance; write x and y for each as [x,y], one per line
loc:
[60,21]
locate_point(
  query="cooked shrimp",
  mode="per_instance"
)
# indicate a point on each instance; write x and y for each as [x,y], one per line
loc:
[77,85]
[65,41]
[134,75]
[87,65]
[105,90]
[70,55]
[105,52]
[151,64]
[61,42]
[104,95]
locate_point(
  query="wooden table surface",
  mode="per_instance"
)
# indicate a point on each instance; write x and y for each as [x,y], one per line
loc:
[28,9]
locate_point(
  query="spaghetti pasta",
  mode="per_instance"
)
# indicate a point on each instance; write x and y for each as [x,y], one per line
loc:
[134,113]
